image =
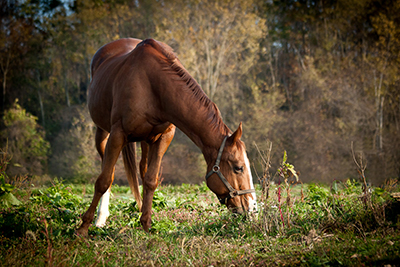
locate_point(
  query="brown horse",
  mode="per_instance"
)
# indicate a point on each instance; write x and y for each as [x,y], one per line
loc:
[139,91]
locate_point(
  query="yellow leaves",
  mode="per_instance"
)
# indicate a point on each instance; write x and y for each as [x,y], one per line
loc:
[385,24]
[116,37]
[218,43]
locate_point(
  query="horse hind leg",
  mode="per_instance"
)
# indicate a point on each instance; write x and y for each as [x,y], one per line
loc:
[150,179]
[145,157]
[115,143]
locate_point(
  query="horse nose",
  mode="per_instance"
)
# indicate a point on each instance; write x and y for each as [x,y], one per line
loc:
[238,210]
[253,207]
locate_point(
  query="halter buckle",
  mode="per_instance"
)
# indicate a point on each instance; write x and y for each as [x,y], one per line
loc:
[215,168]
[233,194]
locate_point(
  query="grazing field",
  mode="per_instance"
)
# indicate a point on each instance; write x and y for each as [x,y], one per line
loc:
[315,225]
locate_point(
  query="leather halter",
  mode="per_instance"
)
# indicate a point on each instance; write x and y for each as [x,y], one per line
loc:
[216,169]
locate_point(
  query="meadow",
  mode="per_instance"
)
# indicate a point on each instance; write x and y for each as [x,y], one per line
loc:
[296,225]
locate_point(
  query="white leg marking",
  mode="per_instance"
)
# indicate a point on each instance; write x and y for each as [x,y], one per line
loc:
[252,202]
[102,212]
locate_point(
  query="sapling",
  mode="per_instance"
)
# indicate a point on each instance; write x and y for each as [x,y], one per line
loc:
[286,171]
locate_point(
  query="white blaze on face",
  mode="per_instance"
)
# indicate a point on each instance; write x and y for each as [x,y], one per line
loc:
[252,202]
[103,212]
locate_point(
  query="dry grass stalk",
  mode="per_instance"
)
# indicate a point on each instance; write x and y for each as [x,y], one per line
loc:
[266,220]
[265,179]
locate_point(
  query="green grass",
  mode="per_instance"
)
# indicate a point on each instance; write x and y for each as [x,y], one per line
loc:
[321,226]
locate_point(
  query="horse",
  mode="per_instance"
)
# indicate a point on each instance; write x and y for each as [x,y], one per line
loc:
[139,92]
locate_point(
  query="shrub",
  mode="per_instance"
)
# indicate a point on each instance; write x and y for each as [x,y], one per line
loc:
[25,141]
[55,206]
[7,199]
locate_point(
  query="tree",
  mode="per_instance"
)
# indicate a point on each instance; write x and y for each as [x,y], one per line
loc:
[217,41]
[335,62]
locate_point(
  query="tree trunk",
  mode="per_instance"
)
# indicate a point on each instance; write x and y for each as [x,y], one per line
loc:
[4,68]
[66,89]
[379,100]
[41,107]
[40,98]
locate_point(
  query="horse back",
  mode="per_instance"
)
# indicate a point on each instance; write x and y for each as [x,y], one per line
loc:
[114,49]
[127,85]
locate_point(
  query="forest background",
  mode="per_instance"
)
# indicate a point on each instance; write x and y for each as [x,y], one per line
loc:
[310,77]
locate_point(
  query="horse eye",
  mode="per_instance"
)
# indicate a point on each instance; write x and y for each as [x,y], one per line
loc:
[238,169]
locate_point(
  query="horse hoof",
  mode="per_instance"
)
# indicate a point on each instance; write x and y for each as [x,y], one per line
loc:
[81,232]
[101,220]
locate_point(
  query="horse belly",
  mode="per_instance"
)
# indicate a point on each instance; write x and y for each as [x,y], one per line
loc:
[99,104]
[142,127]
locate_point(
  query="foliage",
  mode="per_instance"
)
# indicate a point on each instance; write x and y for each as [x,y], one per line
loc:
[55,206]
[218,44]
[199,232]
[7,199]
[25,142]
[297,73]
[287,170]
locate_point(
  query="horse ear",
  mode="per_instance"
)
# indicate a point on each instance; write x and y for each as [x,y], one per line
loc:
[236,135]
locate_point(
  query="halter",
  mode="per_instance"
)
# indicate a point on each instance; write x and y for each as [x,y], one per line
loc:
[232,191]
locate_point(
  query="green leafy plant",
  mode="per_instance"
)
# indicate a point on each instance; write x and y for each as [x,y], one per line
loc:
[26,142]
[286,171]
[7,199]
[317,195]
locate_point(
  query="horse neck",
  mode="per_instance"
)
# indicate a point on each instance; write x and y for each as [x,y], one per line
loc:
[201,122]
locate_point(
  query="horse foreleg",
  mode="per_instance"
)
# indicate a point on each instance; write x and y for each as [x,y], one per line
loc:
[116,141]
[102,212]
[150,179]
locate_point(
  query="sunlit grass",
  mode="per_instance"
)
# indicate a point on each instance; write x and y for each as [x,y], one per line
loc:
[189,227]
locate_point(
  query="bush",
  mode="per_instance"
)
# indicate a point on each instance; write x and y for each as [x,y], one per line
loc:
[25,141]
[55,206]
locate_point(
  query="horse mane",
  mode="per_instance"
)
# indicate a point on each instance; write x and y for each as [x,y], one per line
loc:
[174,66]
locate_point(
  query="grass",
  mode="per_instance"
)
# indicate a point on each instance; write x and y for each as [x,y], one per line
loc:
[320,226]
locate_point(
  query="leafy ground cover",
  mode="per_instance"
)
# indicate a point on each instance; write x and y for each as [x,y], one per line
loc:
[304,225]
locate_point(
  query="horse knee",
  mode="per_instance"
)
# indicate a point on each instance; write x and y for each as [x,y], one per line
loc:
[102,184]
[150,184]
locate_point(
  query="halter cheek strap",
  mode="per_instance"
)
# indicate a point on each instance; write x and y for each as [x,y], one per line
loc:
[216,169]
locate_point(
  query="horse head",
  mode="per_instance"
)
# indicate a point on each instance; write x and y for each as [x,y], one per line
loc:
[230,176]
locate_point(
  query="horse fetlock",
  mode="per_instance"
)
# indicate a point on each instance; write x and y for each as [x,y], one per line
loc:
[101,219]
[145,222]
[87,218]
[82,230]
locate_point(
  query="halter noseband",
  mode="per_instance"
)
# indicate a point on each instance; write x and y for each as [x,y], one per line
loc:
[216,169]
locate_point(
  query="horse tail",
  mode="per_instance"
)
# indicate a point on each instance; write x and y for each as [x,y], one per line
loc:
[129,157]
